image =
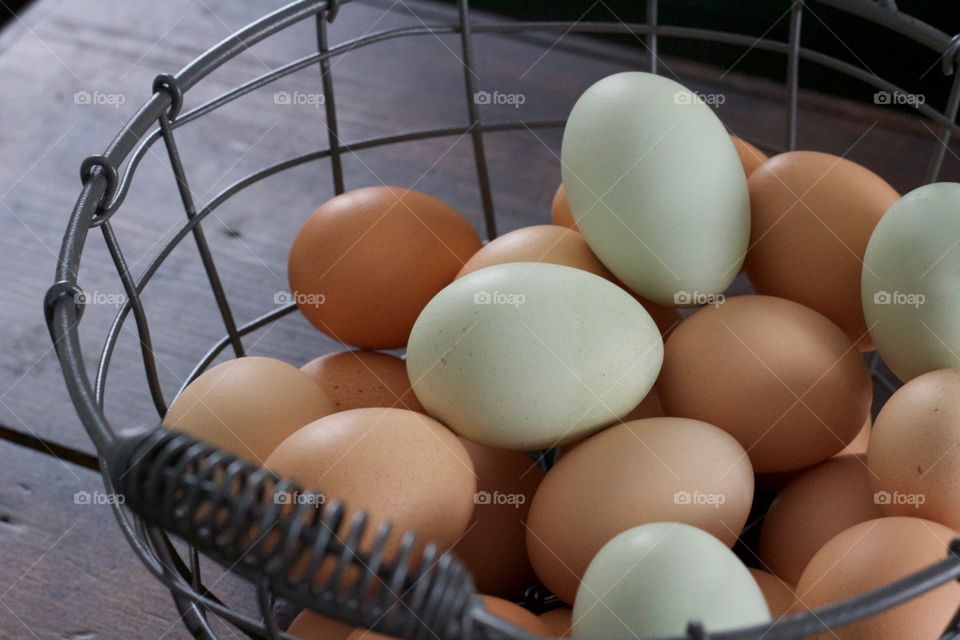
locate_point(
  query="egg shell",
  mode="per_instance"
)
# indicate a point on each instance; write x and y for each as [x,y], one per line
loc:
[313,626]
[781,378]
[813,508]
[813,214]
[528,356]
[914,450]
[560,213]
[365,263]
[494,546]
[778,594]
[358,379]
[397,465]
[910,284]
[653,580]
[516,615]
[248,406]
[871,555]
[559,621]
[656,187]
[659,469]
[750,156]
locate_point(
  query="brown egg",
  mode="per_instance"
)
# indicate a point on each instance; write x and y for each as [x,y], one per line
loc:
[914,449]
[542,243]
[812,215]
[649,407]
[516,615]
[871,555]
[559,621]
[750,156]
[397,465]
[358,379]
[365,263]
[823,501]
[778,594]
[654,470]
[248,406]
[313,626]
[494,547]
[560,211]
[858,446]
[781,378]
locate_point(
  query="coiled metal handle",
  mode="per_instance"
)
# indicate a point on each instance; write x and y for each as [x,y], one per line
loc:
[228,509]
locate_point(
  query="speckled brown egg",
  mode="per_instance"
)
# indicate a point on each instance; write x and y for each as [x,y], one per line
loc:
[248,406]
[914,450]
[653,470]
[778,376]
[358,379]
[400,466]
[778,594]
[812,215]
[494,547]
[560,212]
[871,555]
[365,263]
[812,508]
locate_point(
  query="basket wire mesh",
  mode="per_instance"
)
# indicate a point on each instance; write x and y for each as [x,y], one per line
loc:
[176,485]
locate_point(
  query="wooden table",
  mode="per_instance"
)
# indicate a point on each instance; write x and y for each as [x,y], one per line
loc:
[74,71]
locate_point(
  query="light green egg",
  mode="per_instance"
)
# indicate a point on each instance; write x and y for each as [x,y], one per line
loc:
[655,185]
[528,355]
[910,285]
[652,580]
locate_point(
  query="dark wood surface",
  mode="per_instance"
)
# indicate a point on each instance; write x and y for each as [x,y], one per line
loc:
[67,566]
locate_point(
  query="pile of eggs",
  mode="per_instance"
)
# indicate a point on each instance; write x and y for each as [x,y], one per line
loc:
[568,337]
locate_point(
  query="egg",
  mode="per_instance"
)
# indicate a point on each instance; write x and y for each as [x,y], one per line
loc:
[811,509]
[248,406]
[559,621]
[656,187]
[397,465]
[313,626]
[871,555]
[516,615]
[527,356]
[358,379]
[560,213]
[541,243]
[859,444]
[494,546]
[909,287]
[651,581]
[813,214]
[778,594]
[659,469]
[781,378]
[557,245]
[750,156]
[365,263]
[914,451]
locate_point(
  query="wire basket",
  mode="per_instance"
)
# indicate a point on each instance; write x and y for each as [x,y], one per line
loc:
[219,505]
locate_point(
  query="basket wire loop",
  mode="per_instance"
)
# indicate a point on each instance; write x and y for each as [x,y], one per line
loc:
[167,476]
